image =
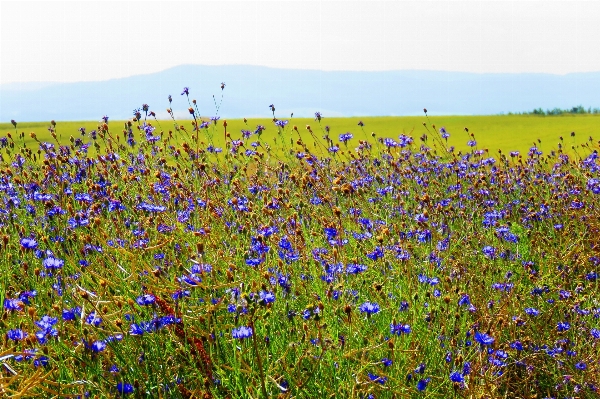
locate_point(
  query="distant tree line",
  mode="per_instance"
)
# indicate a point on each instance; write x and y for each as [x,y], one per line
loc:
[580,109]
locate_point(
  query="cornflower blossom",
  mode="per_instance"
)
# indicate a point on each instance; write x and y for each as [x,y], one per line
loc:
[399,329]
[16,335]
[484,339]
[28,243]
[125,388]
[369,308]
[422,384]
[241,332]
[345,137]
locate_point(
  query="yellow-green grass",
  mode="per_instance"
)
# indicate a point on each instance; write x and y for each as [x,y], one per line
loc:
[504,132]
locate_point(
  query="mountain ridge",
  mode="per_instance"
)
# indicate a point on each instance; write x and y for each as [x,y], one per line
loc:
[250,89]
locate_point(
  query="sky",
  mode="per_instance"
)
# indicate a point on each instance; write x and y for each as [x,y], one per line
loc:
[91,41]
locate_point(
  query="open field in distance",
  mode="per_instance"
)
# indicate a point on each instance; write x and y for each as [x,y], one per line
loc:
[505,132]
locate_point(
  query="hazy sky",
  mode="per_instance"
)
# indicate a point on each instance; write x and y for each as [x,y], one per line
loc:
[79,41]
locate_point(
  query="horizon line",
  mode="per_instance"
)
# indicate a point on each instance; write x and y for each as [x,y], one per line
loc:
[50,82]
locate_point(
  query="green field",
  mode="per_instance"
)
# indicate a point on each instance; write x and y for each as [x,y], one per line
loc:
[505,132]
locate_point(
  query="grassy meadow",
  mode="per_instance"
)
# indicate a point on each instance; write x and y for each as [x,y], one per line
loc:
[135,264]
[492,132]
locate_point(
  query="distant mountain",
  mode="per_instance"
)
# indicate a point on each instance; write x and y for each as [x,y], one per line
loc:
[250,89]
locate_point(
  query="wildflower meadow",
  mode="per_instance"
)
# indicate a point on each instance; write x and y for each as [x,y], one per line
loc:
[184,259]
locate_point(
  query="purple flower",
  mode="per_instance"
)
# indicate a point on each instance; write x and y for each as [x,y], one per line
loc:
[186,91]
[345,137]
[46,322]
[455,376]
[13,304]
[28,243]
[53,263]
[489,252]
[266,297]
[93,319]
[483,338]
[386,362]
[241,332]
[16,334]
[145,300]
[581,366]
[464,300]
[399,329]
[422,384]
[532,312]
[98,346]
[376,378]
[71,314]
[369,308]
[125,388]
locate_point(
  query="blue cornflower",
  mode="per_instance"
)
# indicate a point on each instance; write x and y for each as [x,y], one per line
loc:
[71,314]
[594,332]
[41,361]
[399,329]
[386,362]
[241,332]
[46,322]
[455,376]
[125,388]
[330,233]
[467,368]
[146,299]
[444,133]
[563,326]
[422,384]
[93,319]
[517,345]
[266,297]
[532,311]
[489,252]
[29,243]
[581,366]
[376,378]
[376,254]
[53,263]
[13,304]
[464,300]
[483,338]
[369,308]
[25,296]
[345,137]
[98,346]
[355,268]
[16,334]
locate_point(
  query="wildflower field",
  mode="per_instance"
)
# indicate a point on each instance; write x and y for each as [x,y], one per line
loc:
[197,259]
